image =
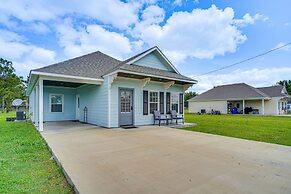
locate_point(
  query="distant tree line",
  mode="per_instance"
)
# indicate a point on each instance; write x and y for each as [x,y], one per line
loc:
[287,84]
[11,85]
[188,96]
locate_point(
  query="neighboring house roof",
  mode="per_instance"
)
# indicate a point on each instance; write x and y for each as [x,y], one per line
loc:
[274,91]
[232,91]
[98,64]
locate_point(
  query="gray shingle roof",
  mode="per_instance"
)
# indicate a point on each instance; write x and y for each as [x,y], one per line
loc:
[273,91]
[232,91]
[92,65]
[97,64]
[153,71]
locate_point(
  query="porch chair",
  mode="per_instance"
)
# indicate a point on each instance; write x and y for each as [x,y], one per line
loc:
[175,116]
[159,117]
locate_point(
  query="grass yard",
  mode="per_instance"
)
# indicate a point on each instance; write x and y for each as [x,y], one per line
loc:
[25,165]
[270,129]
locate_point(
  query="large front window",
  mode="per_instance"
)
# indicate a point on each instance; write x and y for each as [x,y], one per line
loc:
[154,101]
[175,101]
[56,102]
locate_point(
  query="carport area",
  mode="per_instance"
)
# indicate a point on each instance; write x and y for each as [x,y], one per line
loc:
[165,160]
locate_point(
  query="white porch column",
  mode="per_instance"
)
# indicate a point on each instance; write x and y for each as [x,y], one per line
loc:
[243,106]
[263,106]
[40,125]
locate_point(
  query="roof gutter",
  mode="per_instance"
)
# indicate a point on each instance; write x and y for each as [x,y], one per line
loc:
[66,76]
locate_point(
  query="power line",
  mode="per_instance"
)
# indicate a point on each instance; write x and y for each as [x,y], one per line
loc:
[245,60]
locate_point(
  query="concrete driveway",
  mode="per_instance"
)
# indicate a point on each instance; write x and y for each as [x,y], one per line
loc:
[165,160]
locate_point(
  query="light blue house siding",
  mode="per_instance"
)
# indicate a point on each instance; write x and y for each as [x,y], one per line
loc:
[95,98]
[151,60]
[139,118]
[69,112]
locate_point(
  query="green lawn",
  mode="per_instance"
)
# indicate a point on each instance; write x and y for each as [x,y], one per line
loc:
[25,165]
[260,128]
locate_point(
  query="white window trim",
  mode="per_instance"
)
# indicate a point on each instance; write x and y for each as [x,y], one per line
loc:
[149,110]
[178,111]
[50,103]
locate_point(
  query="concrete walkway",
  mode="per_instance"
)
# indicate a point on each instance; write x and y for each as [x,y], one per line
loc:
[165,160]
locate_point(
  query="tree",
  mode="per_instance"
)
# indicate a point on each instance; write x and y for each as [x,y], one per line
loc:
[287,84]
[188,96]
[11,85]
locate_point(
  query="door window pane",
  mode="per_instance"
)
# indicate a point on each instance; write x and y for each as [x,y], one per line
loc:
[125,102]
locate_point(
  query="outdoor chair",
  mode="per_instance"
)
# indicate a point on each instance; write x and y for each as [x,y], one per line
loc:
[159,117]
[176,117]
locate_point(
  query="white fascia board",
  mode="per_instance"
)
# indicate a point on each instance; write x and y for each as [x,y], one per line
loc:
[149,75]
[69,78]
[159,51]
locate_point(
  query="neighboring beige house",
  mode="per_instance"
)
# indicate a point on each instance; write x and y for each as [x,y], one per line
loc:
[240,98]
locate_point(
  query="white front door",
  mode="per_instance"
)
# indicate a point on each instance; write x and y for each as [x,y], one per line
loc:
[77,107]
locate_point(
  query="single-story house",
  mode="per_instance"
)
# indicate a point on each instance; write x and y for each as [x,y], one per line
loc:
[101,90]
[244,98]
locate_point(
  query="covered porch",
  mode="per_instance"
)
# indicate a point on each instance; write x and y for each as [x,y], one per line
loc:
[247,106]
[56,98]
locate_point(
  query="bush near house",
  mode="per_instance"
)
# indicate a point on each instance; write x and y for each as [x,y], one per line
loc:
[271,129]
[25,165]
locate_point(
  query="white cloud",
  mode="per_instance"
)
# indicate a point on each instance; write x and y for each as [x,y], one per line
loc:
[92,38]
[24,55]
[114,12]
[153,15]
[248,19]
[254,77]
[280,44]
[177,2]
[202,33]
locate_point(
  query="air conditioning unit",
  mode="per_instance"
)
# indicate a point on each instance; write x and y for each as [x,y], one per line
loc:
[20,116]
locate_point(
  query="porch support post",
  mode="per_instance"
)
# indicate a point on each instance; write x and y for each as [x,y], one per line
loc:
[243,106]
[40,83]
[263,106]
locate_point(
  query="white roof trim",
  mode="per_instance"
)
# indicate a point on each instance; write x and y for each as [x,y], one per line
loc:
[66,76]
[150,75]
[160,52]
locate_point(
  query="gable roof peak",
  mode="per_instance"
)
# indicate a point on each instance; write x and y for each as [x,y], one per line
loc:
[137,57]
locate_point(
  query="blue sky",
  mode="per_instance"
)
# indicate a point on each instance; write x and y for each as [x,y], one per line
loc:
[197,36]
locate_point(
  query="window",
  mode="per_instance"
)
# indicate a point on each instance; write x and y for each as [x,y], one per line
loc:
[153,101]
[56,102]
[175,101]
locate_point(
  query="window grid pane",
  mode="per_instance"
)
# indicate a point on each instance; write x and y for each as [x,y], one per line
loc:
[175,101]
[56,103]
[153,101]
